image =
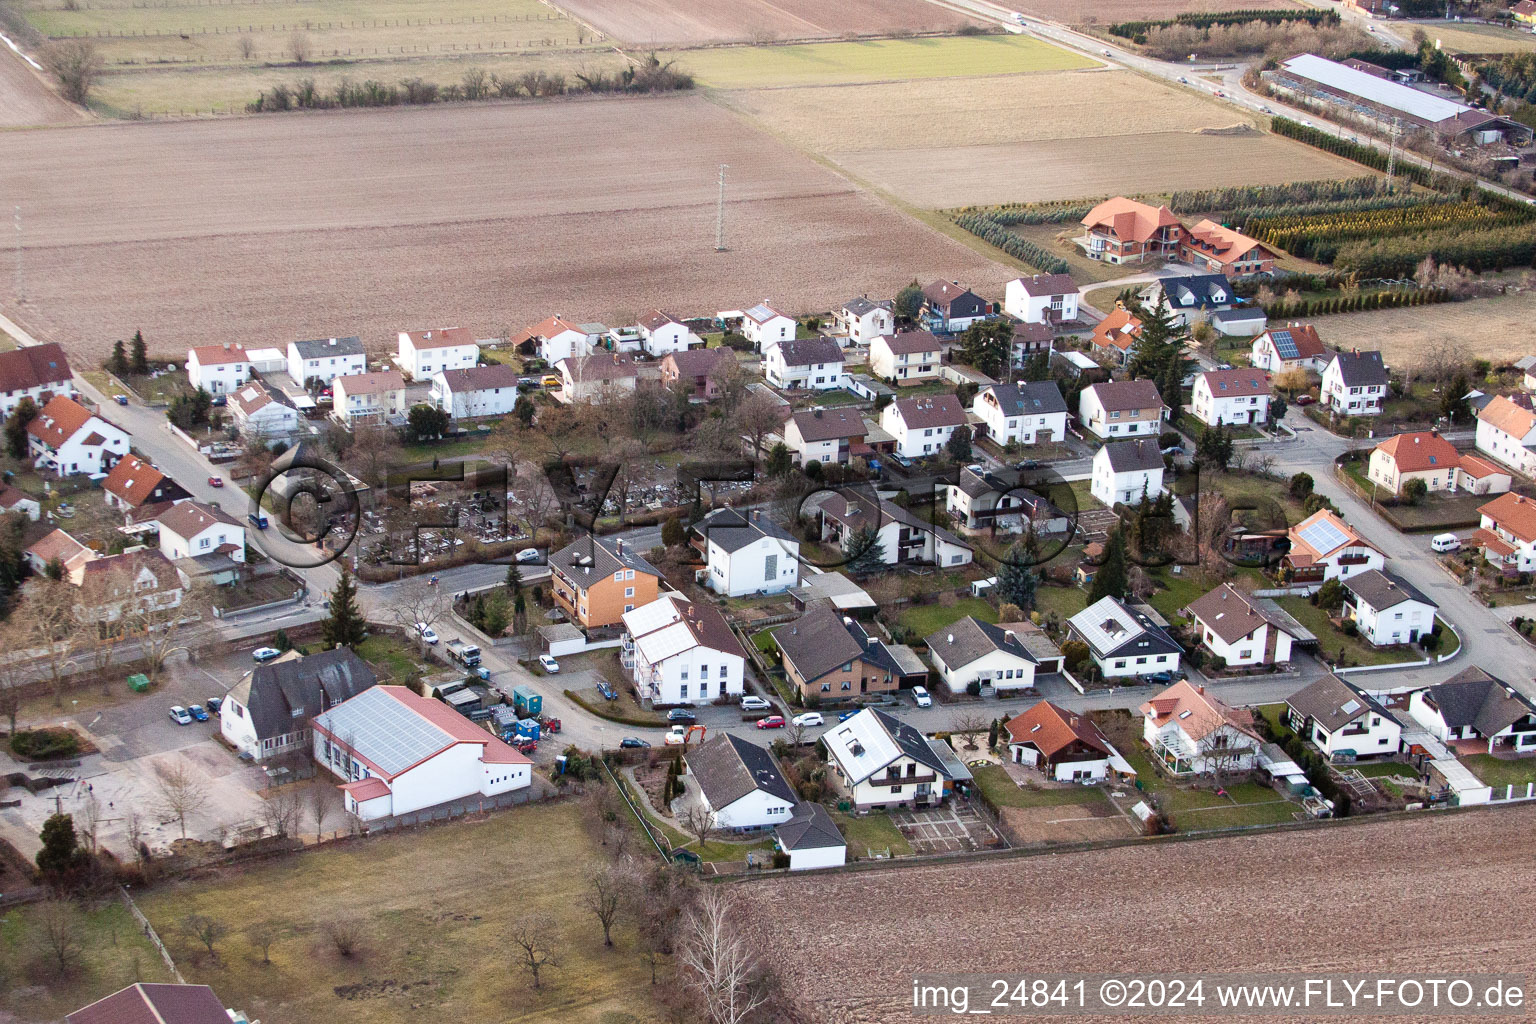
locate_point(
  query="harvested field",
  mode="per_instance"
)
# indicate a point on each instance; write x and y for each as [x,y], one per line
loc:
[25,99]
[1167,909]
[269,229]
[654,22]
[1482,328]
[1090,12]
[1471,38]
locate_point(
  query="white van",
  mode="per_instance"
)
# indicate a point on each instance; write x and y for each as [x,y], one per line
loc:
[1445,542]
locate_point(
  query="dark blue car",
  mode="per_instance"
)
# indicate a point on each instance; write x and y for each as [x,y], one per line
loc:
[847,715]
[198,713]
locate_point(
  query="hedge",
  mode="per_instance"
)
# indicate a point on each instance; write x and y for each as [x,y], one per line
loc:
[993,233]
[1305,308]
[603,712]
[1133,29]
[45,744]
[1476,249]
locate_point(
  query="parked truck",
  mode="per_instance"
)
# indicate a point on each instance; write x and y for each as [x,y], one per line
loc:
[465,654]
[527,702]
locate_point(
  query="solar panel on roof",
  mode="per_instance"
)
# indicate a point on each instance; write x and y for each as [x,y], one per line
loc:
[1323,536]
[1350,706]
[1285,345]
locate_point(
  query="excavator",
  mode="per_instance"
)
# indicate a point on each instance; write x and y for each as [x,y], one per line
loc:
[682,736]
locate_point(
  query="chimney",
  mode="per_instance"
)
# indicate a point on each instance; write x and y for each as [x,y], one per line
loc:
[333,341]
[619,545]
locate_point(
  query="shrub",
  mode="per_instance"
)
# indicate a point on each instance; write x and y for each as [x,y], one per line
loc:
[45,744]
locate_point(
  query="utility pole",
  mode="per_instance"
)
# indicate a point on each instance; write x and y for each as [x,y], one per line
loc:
[719,213]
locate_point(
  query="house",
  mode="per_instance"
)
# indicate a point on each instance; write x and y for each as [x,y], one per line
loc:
[971,651]
[810,838]
[13,499]
[922,426]
[596,378]
[132,584]
[1032,413]
[1187,300]
[815,363]
[982,499]
[369,397]
[1112,410]
[1127,472]
[701,369]
[747,553]
[1114,337]
[476,392]
[1195,733]
[69,439]
[828,656]
[397,752]
[1506,431]
[1031,340]
[60,547]
[1474,705]
[949,308]
[1292,347]
[595,580]
[1243,630]
[268,713]
[38,372]
[1064,745]
[1218,249]
[862,320]
[556,338]
[681,652]
[903,537]
[325,359]
[906,358]
[1507,535]
[1041,299]
[662,334]
[1121,230]
[1355,383]
[1343,721]
[1388,609]
[878,762]
[191,529]
[1324,547]
[826,435]
[763,326]
[134,483]
[1425,455]
[218,369]
[423,354]
[740,784]
[1238,397]
[1525,12]
[1123,641]
[154,1003]
[263,412]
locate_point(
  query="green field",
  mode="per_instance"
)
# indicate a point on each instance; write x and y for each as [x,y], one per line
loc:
[1498,772]
[113,954]
[878,60]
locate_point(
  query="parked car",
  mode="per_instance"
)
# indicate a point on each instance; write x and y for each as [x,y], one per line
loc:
[752,702]
[1029,464]
[552,382]
[608,692]
[197,712]
[633,743]
[257,520]
[681,715]
[920,697]
[427,633]
[529,555]
[1305,399]
[180,715]
[214,704]
[120,399]
[215,481]
[809,719]
[548,663]
[1159,677]
[847,714]
[266,654]
[1445,542]
[771,722]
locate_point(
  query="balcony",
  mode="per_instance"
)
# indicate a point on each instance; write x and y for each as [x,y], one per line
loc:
[905,780]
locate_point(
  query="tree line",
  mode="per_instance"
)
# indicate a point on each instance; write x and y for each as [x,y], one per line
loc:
[1136,31]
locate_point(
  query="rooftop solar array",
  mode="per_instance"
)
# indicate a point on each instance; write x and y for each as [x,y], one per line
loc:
[1285,344]
[1105,624]
[1323,536]
[384,731]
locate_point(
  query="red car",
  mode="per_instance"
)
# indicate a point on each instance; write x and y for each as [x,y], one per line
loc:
[771,722]
[215,481]
[1305,400]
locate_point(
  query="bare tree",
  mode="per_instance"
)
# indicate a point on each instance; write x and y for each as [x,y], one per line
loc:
[757,416]
[46,622]
[698,823]
[533,944]
[298,45]
[76,65]
[60,939]
[658,898]
[180,793]
[346,935]
[246,45]
[604,897]
[317,797]
[1228,755]
[718,963]
[374,452]
[205,930]
[90,820]
[280,811]
[968,725]
[420,604]
[262,935]
[159,621]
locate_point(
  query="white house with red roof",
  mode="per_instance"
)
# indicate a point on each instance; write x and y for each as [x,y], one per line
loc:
[1238,397]
[1041,298]
[1507,431]
[13,499]
[218,369]
[397,752]
[60,547]
[1221,250]
[369,397]
[763,326]
[134,483]
[1294,346]
[662,334]
[922,426]
[67,438]
[1121,230]
[191,529]
[907,358]
[1325,547]
[424,353]
[37,372]
[1115,336]
[1507,534]
[555,339]
[1425,455]
[1194,733]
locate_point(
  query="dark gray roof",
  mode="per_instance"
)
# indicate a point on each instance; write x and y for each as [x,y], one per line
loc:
[728,768]
[862,305]
[1113,629]
[1038,398]
[817,642]
[1361,369]
[1240,315]
[1333,703]
[962,642]
[1384,590]
[602,555]
[876,514]
[1485,702]
[912,743]
[481,378]
[1197,291]
[805,351]
[810,827]
[289,692]
[329,347]
[1130,456]
[733,530]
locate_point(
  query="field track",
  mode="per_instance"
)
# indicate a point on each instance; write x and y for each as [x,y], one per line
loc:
[25,99]
[648,22]
[264,230]
[1266,904]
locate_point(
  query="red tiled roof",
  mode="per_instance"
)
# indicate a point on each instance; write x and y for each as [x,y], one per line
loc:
[1119,330]
[1514,513]
[190,518]
[1220,243]
[1241,382]
[1478,467]
[218,355]
[545,329]
[1129,220]
[446,337]
[1419,451]
[132,480]
[60,545]
[1052,729]
[377,383]
[1205,713]
[457,726]
[1308,344]
[35,366]
[1502,414]
[367,789]
[1490,541]
[58,421]
[151,1003]
[931,411]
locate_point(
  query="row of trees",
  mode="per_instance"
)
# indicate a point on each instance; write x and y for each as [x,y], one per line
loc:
[996,234]
[1319,236]
[1477,249]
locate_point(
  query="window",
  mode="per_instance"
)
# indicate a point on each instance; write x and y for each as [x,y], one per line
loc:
[684,674]
[629,591]
[847,685]
[723,671]
[683,691]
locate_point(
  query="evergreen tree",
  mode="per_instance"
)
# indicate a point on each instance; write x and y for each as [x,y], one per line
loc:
[673,534]
[1214,449]
[16,427]
[988,346]
[1016,577]
[118,364]
[959,444]
[908,304]
[524,410]
[992,735]
[1112,577]
[779,460]
[282,642]
[61,853]
[1037,368]
[345,627]
[1160,354]
[514,579]
[1153,525]
[140,358]
[864,550]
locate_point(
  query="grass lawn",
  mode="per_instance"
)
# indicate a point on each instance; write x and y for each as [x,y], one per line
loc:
[443,932]
[1274,812]
[1274,714]
[926,619]
[875,60]
[1064,601]
[1255,492]
[1466,37]
[875,831]
[458,448]
[1186,422]
[7,343]
[1498,772]
[114,954]
[1003,791]
[391,654]
[1330,640]
[1084,497]
[1180,590]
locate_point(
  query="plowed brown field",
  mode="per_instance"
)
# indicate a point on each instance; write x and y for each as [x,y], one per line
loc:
[491,216]
[25,99]
[718,21]
[1425,894]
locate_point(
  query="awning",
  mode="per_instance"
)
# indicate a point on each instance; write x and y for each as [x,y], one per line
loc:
[1119,763]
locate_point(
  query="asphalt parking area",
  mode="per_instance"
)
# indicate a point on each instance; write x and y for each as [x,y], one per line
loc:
[953,828]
